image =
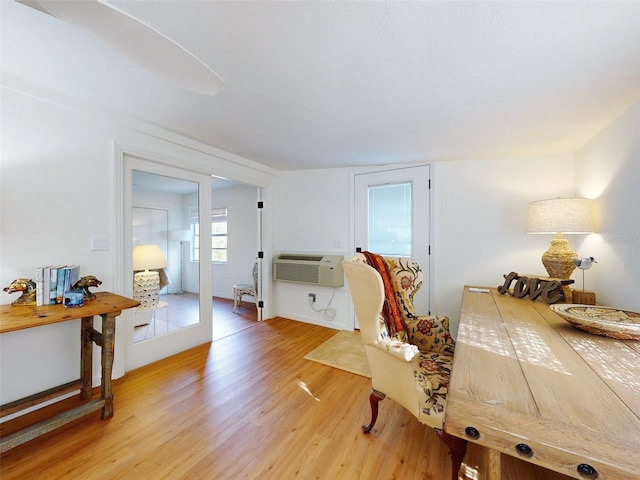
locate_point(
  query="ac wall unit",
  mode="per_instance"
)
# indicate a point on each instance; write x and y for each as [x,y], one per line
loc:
[317,269]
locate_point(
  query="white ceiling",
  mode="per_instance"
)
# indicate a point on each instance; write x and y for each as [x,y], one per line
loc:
[322,84]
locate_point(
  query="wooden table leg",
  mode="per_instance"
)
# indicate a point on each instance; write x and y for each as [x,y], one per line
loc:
[495,465]
[108,339]
[86,358]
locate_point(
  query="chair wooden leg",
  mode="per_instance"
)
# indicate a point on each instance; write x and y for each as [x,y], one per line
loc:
[374,398]
[457,451]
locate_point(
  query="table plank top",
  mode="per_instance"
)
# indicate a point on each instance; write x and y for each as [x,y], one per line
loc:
[521,374]
[19,317]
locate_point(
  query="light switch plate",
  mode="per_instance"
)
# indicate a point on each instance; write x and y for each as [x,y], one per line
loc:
[99,242]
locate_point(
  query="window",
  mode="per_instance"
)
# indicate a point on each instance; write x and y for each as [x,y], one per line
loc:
[389,220]
[218,235]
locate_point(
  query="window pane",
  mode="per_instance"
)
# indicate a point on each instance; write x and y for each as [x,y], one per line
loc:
[389,219]
[219,235]
[218,242]
[218,255]
[219,228]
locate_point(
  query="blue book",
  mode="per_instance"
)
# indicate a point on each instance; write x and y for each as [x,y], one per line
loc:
[60,284]
[71,276]
[53,284]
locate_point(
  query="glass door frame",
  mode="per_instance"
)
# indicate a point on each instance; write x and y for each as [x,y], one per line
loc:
[138,354]
[186,155]
[420,176]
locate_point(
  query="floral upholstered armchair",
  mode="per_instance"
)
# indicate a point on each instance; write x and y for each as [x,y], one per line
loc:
[410,356]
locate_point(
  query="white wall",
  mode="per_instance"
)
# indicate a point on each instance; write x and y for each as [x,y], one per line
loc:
[58,187]
[608,171]
[479,214]
[480,209]
[312,215]
[56,190]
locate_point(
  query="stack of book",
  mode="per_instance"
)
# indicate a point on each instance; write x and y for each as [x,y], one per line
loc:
[53,282]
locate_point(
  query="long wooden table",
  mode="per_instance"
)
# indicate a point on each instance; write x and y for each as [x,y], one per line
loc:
[527,384]
[108,306]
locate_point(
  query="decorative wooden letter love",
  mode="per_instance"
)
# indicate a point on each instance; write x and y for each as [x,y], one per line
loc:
[549,290]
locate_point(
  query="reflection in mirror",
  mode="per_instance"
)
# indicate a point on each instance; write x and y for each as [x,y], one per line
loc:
[234,237]
[166,276]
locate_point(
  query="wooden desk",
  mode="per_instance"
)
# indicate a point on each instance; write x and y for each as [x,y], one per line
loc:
[523,376]
[108,306]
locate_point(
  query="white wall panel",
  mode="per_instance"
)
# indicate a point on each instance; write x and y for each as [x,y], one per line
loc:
[608,171]
[480,209]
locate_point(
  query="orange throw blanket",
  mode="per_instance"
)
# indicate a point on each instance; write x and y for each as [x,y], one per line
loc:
[390,308]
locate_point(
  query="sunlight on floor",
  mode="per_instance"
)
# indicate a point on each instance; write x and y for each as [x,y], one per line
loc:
[304,387]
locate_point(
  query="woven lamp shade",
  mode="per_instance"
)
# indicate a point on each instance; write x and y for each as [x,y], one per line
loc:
[560,216]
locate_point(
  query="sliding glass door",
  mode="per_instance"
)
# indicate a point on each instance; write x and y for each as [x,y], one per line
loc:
[161,209]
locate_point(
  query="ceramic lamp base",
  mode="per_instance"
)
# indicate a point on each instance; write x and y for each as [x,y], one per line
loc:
[146,289]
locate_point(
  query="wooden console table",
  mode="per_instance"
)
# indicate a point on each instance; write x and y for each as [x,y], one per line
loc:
[108,306]
[525,383]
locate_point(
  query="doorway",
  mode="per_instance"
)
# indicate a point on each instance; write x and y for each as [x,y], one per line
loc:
[236,242]
[175,160]
[159,200]
[392,217]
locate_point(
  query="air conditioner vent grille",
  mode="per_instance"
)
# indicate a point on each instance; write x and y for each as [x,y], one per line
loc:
[301,257]
[298,273]
[309,268]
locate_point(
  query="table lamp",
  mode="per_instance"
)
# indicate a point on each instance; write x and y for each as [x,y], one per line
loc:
[146,281]
[560,216]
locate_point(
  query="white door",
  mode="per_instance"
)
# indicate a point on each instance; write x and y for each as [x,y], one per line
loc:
[392,217]
[183,195]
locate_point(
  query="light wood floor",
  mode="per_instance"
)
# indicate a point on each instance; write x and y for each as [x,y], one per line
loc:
[182,310]
[227,322]
[246,406]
